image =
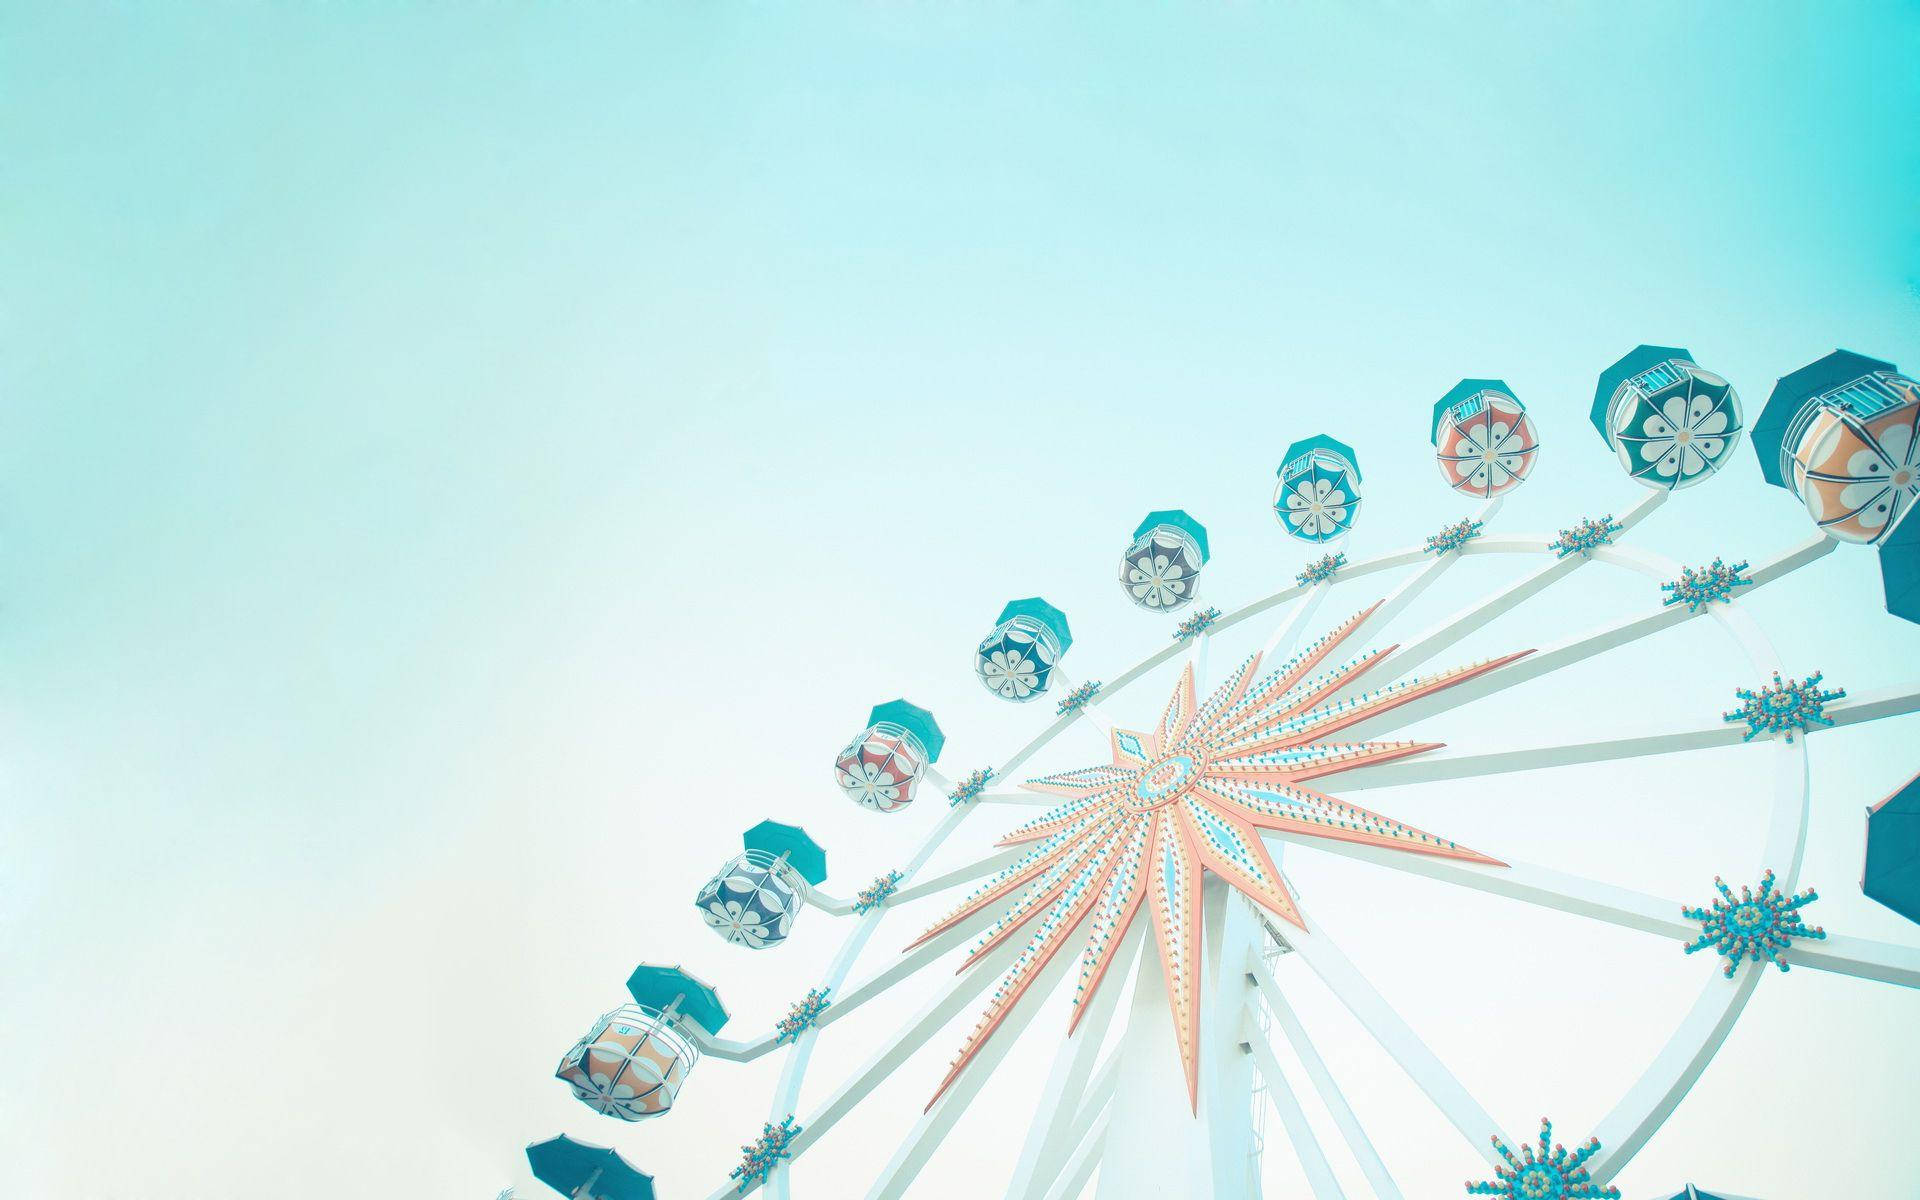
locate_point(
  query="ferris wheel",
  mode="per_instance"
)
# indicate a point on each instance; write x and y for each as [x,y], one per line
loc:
[1141,901]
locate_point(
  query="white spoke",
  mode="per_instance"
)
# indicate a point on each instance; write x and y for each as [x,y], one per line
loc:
[961,991]
[1323,1082]
[1086,1156]
[1397,601]
[844,1003]
[1359,570]
[1313,1161]
[1678,1067]
[1380,1020]
[1610,636]
[1283,638]
[1522,881]
[938,1121]
[1882,962]
[978,868]
[1027,799]
[1458,626]
[1051,1135]
[1856,709]
[1448,763]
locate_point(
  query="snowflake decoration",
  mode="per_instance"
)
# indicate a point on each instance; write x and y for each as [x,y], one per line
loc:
[1079,697]
[1195,624]
[759,1157]
[970,787]
[804,1015]
[1453,536]
[1785,707]
[1135,837]
[1320,569]
[1549,1173]
[1697,589]
[875,894]
[1754,926]
[1586,537]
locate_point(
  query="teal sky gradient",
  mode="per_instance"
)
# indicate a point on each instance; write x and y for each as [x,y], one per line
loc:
[459,466]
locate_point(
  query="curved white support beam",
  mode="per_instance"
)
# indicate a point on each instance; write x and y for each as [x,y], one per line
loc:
[1357,570]
[1680,1063]
[1378,1177]
[1423,648]
[1385,1025]
[1686,1055]
[962,990]
[787,1092]
[844,1003]
[1306,1147]
[1866,960]
[1610,636]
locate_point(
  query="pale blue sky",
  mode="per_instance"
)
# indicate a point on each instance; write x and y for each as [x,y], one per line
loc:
[461,465]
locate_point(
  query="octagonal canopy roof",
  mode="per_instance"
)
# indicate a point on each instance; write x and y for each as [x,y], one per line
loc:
[1817,377]
[1320,441]
[1630,364]
[1461,390]
[1892,873]
[1178,518]
[916,720]
[1039,610]
[657,986]
[566,1165]
[1900,568]
[803,853]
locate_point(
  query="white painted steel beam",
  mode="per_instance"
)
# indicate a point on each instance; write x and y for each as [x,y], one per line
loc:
[1385,1025]
[1306,1147]
[1450,631]
[1057,1124]
[938,1121]
[1614,634]
[1652,1099]
[962,990]
[1361,1146]
[1520,881]
[1086,1157]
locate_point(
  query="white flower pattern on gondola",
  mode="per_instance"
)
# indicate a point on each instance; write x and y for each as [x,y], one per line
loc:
[1316,508]
[1010,673]
[1492,467]
[1686,436]
[1157,580]
[869,784]
[1883,475]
